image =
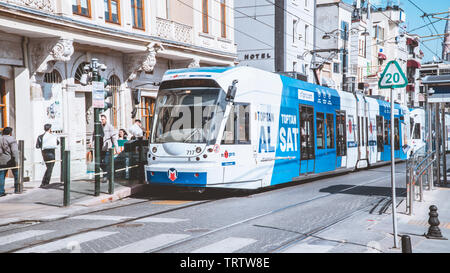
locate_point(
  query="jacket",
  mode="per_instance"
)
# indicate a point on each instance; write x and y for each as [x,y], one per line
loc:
[9,151]
[109,137]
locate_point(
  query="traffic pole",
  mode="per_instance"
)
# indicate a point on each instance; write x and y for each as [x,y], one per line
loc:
[66,178]
[97,150]
[21,162]
[111,171]
[63,148]
[394,203]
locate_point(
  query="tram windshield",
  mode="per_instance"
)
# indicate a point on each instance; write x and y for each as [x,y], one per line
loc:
[188,115]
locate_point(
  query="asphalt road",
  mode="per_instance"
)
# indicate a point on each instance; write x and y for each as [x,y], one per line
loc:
[159,220]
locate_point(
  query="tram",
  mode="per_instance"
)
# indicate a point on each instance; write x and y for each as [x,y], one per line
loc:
[245,128]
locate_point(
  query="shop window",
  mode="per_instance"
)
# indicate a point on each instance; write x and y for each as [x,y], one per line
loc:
[81,7]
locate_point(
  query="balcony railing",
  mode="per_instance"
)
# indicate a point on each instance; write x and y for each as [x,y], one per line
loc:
[174,31]
[41,5]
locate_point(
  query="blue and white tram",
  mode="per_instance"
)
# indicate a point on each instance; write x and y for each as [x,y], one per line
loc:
[245,128]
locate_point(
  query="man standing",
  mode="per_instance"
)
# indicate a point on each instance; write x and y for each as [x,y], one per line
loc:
[136,130]
[48,143]
[108,140]
[9,154]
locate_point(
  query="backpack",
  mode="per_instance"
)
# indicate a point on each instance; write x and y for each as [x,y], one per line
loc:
[39,141]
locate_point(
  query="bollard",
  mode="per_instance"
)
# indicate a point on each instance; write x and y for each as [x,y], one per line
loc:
[141,161]
[63,148]
[66,175]
[111,171]
[20,171]
[406,244]
[434,232]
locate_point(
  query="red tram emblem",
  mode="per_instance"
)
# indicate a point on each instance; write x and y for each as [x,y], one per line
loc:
[172,174]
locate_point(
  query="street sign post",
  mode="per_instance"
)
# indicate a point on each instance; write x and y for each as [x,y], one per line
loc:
[393,77]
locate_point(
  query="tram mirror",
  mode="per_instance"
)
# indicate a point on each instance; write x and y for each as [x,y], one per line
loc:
[231,91]
[134,112]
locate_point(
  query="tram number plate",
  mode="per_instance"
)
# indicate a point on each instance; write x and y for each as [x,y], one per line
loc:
[190,152]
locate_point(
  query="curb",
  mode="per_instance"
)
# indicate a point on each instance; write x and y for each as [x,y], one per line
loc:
[122,192]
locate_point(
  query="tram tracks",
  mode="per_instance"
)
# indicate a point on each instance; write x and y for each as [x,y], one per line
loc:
[302,236]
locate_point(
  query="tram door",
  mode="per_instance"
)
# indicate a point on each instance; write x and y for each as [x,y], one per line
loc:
[341,139]
[306,139]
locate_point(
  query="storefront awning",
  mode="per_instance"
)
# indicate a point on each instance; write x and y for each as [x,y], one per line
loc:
[413,63]
[412,42]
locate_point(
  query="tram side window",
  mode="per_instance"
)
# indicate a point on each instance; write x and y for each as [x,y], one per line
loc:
[396,134]
[237,128]
[380,146]
[416,134]
[387,126]
[320,131]
[330,131]
[341,137]
[306,132]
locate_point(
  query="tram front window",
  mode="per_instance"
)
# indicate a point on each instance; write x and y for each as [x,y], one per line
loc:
[190,115]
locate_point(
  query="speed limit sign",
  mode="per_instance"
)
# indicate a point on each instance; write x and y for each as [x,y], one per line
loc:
[392,77]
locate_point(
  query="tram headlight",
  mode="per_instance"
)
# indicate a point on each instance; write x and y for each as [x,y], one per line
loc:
[154,149]
[198,150]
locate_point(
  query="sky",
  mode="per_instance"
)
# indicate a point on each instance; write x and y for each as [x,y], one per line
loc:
[414,20]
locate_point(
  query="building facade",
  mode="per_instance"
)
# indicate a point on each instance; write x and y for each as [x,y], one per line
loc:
[276,36]
[46,43]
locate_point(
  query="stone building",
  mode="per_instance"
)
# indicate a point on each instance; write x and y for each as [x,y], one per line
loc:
[45,43]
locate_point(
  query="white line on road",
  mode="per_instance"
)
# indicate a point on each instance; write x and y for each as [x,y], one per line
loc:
[149,244]
[64,243]
[100,217]
[160,220]
[307,248]
[8,239]
[228,245]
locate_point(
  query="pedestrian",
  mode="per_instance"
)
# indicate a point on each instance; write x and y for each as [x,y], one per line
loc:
[136,130]
[48,143]
[123,134]
[109,140]
[9,155]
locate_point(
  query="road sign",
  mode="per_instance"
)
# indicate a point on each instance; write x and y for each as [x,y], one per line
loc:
[98,95]
[392,77]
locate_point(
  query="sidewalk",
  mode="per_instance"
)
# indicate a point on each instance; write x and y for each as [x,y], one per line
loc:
[372,232]
[37,204]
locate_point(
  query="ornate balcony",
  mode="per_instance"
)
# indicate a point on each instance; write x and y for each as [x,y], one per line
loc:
[41,5]
[174,31]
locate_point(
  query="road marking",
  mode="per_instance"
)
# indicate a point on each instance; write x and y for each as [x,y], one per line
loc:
[149,244]
[8,239]
[100,217]
[53,217]
[160,220]
[62,244]
[228,245]
[307,248]
[170,202]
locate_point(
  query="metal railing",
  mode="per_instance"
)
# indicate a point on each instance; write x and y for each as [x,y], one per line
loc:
[419,164]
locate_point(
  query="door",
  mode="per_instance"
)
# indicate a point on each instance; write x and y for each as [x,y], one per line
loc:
[306,139]
[341,139]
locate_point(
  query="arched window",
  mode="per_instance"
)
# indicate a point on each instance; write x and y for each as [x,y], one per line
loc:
[114,83]
[53,77]
[79,72]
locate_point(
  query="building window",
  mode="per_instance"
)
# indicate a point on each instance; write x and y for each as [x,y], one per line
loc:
[52,77]
[223,18]
[114,83]
[3,119]
[147,112]
[137,12]
[294,30]
[205,27]
[336,67]
[306,35]
[79,72]
[112,11]
[81,7]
